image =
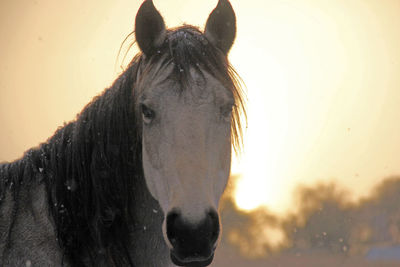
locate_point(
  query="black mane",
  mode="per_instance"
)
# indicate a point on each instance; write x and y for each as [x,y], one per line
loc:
[92,167]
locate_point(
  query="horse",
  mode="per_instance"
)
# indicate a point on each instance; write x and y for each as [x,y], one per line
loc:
[136,178]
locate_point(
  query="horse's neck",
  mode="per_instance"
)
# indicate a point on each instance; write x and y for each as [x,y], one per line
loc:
[26,231]
[148,247]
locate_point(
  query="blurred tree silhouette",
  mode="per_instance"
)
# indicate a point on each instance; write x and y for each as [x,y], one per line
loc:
[378,216]
[247,231]
[325,221]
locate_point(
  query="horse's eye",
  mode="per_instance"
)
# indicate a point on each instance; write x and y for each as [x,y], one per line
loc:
[148,113]
[226,112]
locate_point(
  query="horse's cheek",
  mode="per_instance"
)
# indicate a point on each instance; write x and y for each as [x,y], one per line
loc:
[153,173]
[150,167]
[151,147]
[220,160]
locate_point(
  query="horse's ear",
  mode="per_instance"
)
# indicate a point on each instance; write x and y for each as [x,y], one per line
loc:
[149,28]
[221,26]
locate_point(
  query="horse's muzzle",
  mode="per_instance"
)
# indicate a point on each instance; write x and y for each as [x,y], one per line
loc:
[192,262]
[193,245]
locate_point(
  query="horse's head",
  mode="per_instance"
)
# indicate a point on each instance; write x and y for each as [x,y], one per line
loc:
[187,101]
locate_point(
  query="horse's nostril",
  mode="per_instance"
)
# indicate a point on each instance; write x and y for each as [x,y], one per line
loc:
[172,227]
[214,225]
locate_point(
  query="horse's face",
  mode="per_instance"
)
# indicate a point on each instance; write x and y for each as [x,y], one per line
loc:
[186,144]
[186,159]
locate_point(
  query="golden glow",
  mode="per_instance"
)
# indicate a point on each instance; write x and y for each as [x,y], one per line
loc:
[322,78]
[261,235]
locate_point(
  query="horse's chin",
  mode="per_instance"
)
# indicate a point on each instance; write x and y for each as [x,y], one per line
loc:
[191,262]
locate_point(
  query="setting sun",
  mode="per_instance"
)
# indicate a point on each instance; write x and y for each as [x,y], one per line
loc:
[320,77]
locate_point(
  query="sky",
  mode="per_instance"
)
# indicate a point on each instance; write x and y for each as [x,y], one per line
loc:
[322,81]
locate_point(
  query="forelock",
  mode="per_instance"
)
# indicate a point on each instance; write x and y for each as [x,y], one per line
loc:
[186,49]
